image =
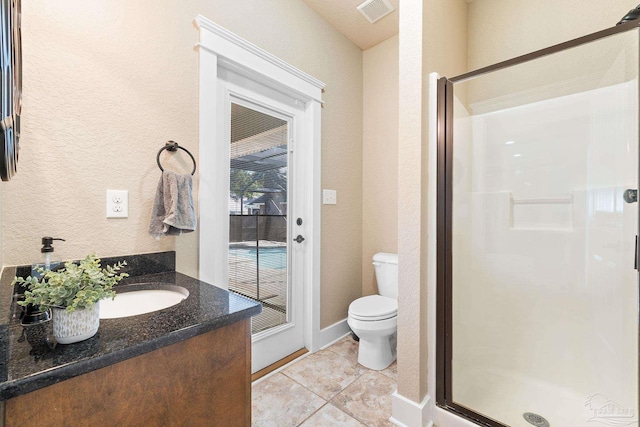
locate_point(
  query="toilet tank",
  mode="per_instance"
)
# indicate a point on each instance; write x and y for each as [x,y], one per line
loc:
[386,267]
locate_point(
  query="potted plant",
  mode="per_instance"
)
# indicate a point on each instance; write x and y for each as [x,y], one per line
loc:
[72,293]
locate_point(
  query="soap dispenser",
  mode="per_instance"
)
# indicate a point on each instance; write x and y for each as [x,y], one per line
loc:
[47,251]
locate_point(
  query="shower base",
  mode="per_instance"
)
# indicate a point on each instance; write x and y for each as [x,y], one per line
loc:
[505,397]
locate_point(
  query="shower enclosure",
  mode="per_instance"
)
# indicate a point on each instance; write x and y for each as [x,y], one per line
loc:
[537,237]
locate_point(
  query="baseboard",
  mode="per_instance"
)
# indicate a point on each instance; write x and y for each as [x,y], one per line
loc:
[407,413]
[333,333]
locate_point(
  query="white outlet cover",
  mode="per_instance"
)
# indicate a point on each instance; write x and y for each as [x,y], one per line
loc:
[117,203]
[329,197]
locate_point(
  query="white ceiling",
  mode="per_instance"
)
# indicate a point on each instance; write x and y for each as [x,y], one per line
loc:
[345,18]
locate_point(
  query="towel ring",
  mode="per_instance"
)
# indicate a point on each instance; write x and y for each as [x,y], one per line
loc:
[173,146]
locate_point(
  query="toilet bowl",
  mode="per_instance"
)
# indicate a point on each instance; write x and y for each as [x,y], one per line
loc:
[374,318]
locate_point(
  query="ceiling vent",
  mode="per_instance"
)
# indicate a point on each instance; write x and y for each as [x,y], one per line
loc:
[374,10]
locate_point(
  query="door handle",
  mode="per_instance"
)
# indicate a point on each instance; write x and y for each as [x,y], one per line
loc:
[299,239]
[630,195]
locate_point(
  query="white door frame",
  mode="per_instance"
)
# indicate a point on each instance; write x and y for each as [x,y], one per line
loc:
[219,47]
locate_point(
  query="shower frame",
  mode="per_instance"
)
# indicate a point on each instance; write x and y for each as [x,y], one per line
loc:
[444,263]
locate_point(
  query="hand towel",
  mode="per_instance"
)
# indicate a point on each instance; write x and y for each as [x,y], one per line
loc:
[173,212]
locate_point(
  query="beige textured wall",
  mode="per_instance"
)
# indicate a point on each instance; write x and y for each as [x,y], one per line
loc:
[107,82]
[379,156]
[503,29]
[341,250]
[98,104]
[533,26]
[411,342]
[438,29]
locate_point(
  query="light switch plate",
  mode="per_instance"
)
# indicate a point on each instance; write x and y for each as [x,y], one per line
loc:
[117,203]
[329,197]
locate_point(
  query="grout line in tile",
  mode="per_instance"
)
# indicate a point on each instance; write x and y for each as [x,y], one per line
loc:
[363,370]
[347,359]
[354,416]
[308,389]
[326,403]
[315,412]
[335,352]
[305,387]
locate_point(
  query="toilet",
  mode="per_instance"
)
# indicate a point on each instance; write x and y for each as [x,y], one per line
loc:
[374,318]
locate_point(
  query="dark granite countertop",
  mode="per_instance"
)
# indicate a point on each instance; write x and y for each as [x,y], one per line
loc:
[26,367]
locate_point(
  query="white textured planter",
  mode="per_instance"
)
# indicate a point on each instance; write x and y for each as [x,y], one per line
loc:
[76,326]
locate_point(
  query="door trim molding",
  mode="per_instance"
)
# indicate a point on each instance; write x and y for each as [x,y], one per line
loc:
[238,51]
[220,48]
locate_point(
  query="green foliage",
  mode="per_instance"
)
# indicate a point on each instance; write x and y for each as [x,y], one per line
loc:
[246,183]
[274,179]
[243,183]
[74,286]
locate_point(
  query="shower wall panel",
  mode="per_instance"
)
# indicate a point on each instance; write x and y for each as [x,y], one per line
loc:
[545,304]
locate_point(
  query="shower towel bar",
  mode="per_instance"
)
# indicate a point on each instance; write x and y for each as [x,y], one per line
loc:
[173,146]
[568,199]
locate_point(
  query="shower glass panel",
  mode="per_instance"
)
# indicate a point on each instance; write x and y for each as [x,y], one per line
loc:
[258,253]
[544,293]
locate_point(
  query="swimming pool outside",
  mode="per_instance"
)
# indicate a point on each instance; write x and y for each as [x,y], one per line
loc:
[273,257]
[265,282]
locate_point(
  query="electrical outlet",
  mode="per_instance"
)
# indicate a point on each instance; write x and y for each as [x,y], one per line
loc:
[117,203]
[329,197]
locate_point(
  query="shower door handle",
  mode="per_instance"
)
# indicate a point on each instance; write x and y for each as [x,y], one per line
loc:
[630,195]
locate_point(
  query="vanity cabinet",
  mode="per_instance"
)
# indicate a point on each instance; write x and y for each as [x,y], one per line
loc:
[201,381]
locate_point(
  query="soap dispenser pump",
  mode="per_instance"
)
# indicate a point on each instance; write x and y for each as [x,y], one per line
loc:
[47,250]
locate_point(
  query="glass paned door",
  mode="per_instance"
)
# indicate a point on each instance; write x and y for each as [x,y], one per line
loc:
[258,253]
[543,287]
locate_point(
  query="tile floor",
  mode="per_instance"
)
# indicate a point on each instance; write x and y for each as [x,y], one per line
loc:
[327,388]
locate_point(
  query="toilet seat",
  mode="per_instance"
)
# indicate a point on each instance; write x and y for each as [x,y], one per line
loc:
[373,308]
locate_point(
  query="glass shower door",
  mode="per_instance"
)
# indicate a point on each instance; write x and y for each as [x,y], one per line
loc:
[541,285]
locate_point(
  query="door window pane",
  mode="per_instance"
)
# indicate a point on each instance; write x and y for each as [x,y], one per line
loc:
[258,254]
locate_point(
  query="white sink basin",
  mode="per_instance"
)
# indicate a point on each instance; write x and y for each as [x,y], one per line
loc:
[134,302]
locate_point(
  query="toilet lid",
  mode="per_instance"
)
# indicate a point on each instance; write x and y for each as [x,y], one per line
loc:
[373,307]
